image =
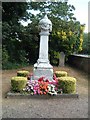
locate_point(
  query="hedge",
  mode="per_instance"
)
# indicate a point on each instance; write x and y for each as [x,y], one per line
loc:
[67,84]
[18,83]
[60,73]
[23,73]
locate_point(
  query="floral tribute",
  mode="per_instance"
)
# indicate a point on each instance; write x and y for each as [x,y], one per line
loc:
[42,86]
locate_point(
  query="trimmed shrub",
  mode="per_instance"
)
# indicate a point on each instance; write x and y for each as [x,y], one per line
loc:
[18,83]
[60,73]
[68,84]
[23,73]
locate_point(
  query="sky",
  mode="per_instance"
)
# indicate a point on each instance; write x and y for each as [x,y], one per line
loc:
[81,11]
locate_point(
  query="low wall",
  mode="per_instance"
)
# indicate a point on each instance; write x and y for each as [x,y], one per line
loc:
[80,62]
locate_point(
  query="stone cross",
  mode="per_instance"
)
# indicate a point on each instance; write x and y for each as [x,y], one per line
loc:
[43,68]
[62,59]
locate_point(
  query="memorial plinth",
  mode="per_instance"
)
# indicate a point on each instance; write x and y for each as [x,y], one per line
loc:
[43,68]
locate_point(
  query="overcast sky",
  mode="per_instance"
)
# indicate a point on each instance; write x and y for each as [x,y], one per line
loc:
[81,12]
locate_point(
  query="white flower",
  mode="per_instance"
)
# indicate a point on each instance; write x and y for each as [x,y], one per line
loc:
[24,89]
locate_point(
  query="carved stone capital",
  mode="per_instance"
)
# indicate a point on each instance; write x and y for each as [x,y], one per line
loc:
[45,24]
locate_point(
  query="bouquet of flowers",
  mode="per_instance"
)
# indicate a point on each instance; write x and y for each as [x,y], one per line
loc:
[42,86]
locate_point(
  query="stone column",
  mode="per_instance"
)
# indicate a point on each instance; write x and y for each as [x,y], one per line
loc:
[43,66]
[43,51]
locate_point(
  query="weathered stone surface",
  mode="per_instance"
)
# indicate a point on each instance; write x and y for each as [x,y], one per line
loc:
[62,59]
[45,24]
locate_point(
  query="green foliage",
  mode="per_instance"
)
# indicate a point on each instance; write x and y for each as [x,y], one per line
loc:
[12,34]
[60,73]
[15,11]
[0,30]
[86,44]
[67,31]
[14,65]
[18,83]
[30,41]
[12,43]
[54,57]
[68,84]
[5,57]
[23,73]
[22,42]
[0,56]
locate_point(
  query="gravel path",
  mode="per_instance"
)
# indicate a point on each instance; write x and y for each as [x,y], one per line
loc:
[52,108]
[47,108]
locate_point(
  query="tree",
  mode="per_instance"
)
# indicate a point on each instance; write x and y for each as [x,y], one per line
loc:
[15,11]
[67,34]
[21,43]
[12,29]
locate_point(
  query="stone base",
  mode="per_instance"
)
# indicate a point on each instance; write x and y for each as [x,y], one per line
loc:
[43,72]
[19,95]
[42,69]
